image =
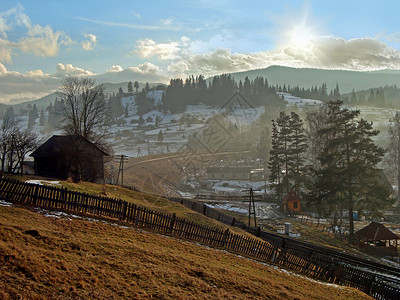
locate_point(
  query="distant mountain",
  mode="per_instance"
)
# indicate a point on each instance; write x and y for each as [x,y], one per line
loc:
[304,77]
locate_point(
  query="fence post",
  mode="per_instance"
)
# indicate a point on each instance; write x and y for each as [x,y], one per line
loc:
[258,231]
[225,237]
[35,195]
[172,223]
[125,205]
[204,209]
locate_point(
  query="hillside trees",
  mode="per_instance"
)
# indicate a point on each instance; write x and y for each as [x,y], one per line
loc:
[193,90]
[346,175]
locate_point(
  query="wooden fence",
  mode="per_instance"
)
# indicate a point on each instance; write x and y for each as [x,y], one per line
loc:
[279,251]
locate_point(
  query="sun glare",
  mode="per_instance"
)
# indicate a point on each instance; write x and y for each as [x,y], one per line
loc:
[301,35]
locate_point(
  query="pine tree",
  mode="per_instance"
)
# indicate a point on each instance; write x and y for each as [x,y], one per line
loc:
[130,87]
[275,162]
[31,119]
[392,158]
[136,86]
[348,162]
[42,118]
[297,148]
[285,132]
[160,137]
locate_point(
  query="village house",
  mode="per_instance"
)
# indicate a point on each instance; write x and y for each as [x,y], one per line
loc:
[228,173]
[64,156]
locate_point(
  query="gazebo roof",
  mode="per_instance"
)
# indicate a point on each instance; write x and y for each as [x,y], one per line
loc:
[376,232]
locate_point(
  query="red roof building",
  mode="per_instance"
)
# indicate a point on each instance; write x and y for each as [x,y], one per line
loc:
[291,202]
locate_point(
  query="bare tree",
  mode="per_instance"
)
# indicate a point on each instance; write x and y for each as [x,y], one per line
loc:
[25,141]
[8,129]
[84,109]
[15,143]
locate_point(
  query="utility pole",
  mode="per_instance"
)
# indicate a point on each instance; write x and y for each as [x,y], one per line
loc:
[252,207]
[121,158]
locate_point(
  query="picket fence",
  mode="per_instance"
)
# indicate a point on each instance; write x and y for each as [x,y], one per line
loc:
[280,252]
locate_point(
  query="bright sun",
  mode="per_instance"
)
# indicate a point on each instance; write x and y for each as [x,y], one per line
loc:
[301,35]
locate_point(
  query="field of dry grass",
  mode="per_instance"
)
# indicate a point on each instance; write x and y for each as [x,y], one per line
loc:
[48,258]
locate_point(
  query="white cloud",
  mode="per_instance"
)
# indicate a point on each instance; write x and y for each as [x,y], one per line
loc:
[143,72]
[137,15]
[13,16]
[164,51]
[115,68]
[168,21]
[5,51]
[90,43]
[42,41]
[69,70]
[36,39]
[146,68]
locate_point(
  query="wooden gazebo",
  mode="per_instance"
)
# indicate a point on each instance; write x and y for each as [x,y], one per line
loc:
[376,234]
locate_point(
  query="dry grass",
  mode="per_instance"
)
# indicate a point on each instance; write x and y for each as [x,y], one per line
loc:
[48,258]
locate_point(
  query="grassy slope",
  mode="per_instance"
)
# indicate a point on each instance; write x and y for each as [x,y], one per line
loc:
[42,257]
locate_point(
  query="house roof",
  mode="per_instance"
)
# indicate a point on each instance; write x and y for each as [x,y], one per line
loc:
[228,169]
[55,144]
[291,196]
[376,232]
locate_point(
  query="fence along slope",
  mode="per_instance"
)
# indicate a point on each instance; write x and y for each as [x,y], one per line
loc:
[314,265]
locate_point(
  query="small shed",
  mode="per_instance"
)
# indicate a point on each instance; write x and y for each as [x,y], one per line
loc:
[376,234]
[228,173]
[74,156]
[292,202]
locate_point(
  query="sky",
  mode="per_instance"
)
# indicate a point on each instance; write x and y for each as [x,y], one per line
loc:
[43,41]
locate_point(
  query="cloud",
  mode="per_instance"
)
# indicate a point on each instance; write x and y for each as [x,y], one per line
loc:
[42,41]
[168,21]
[337,53]
[36,39]
[324,52]
[115,68]
[90,42]
[137,15]
[16,87]
[70,70]
[5,51]
[13,16]
[143,72]
[148,48]
[126,25]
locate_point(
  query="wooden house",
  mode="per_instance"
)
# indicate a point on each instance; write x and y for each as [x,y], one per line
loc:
[378,236]
[64,156]
[228,173]
[292,202]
